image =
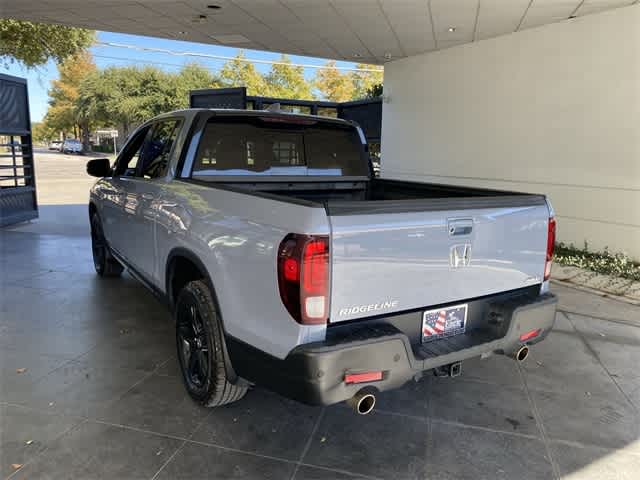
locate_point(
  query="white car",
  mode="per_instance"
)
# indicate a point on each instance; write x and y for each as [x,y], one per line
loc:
[71,146]
[55,145]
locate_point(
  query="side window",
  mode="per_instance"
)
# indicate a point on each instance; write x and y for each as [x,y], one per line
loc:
[157,150]
[128,159]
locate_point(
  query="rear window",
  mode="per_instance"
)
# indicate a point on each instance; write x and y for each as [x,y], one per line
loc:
[237,147]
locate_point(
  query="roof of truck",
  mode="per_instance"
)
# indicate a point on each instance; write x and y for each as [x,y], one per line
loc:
[258,113]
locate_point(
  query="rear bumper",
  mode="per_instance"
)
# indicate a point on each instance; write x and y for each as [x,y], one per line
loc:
[314,373]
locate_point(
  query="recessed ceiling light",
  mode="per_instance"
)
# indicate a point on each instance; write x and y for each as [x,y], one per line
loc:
[182,32]
[199,19]
[357,55]
[387,56]
[451,29]
[214,7]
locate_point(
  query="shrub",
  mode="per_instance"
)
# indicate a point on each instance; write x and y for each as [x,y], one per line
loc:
[617,264]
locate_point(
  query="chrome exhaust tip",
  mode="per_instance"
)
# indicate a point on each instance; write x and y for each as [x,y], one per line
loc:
[521,354]
[362,402]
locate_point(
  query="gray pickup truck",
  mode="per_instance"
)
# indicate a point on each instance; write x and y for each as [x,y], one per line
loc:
[286,264]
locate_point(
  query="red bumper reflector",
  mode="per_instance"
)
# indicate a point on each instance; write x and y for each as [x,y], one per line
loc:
[362,377]
[529,335]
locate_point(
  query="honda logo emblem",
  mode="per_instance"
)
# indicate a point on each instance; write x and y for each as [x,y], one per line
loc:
[460,255]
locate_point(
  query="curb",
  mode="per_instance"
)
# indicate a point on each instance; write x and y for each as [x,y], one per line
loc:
[601,293]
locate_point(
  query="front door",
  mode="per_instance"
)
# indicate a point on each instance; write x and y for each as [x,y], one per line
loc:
[145,191]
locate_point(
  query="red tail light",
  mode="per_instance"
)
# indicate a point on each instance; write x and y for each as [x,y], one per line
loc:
[303,277]
[551,242]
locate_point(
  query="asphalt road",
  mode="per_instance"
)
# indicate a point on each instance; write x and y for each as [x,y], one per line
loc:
[62,179]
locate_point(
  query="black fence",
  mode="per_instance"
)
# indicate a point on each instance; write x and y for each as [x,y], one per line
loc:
[366,113]
[18,201]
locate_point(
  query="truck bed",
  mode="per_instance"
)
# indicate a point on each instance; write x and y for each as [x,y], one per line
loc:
[398,245]
[382,195]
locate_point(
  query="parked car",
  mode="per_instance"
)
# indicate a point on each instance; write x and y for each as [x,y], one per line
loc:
[71,145]
[13,146]
[55,145]
[287,264]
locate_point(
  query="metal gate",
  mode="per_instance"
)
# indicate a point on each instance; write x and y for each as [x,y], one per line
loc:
[367,113]
[18,201]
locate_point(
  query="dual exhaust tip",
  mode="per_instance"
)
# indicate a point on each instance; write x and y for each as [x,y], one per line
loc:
[521,354]
[362,402]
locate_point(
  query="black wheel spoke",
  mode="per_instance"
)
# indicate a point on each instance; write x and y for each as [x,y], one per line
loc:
[193,367]
[202,362]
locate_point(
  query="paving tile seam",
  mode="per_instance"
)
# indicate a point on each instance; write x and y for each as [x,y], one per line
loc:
[430,420]
[273,458]
[119,397]
[622,321]
[337,470]
[309,441]
[613,379]
[179,449]
[47,447]
[555,468]
[171,457]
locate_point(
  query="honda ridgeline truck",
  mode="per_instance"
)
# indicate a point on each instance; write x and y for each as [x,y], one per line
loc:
[287,264]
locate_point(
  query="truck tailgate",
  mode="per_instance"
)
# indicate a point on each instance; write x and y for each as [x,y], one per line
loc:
[394,260]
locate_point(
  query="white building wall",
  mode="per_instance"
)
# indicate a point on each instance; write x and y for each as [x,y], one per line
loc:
[552,110]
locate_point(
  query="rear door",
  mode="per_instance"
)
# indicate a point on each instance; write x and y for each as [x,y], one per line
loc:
[396,261]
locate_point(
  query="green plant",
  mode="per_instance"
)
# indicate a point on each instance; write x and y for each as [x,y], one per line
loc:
[617,264]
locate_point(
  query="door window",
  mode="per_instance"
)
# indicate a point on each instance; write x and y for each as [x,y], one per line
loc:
[157,150]
[128,159]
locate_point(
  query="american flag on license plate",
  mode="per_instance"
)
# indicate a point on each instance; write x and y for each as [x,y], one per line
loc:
[441,323]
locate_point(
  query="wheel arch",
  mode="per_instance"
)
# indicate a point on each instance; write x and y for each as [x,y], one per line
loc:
[181,256]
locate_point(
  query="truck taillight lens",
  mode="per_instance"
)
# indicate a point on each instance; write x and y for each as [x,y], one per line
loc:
[303,277]
[551,241]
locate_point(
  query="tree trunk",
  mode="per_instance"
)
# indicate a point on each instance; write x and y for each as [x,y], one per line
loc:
[86,144]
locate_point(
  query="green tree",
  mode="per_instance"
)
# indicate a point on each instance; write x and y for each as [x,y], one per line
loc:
[334,85]
[287,81]
[364,81]
[63,114]
[239,73]
[126,96]
[33,44]
[41,133]
[192,77]
[374,91]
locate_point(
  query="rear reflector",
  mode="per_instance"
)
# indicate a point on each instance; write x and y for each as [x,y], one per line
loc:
[362,377]
[551,242]
[529,335]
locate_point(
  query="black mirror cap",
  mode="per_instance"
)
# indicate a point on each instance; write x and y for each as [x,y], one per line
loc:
[99,167]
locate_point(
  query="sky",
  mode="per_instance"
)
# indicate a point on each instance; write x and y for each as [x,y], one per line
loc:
[39,79]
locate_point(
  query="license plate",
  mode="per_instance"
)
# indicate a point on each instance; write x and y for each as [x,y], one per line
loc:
[443,322]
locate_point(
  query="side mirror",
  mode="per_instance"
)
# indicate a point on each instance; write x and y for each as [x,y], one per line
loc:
[99,167]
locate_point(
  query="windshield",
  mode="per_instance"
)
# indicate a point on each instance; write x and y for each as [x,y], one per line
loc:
[234,147]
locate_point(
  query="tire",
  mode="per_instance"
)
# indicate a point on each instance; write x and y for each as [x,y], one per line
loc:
[200,344]
[103,261]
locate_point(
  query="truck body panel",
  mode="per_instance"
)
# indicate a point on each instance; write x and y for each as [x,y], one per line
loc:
[395,249]
[384,263]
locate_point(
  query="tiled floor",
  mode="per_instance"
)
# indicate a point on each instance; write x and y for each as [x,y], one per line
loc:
[89,389]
